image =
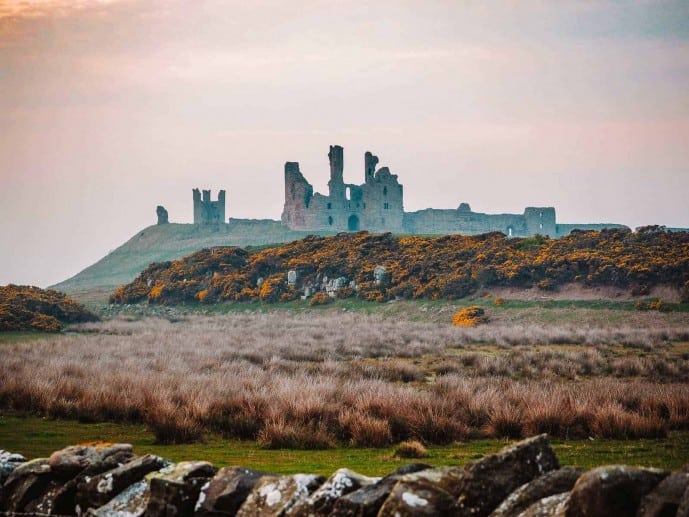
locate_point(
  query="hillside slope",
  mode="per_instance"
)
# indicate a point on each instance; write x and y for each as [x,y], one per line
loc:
[24,307]
[159,243]
[382,267]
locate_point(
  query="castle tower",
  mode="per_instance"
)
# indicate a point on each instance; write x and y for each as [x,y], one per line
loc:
[336,183]
[370,162]
[207,211]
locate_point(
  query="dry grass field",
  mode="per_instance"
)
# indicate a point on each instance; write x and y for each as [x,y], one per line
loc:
[325,378]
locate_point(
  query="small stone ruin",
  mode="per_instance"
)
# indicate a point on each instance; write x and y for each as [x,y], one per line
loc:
[162,215]
[524,479]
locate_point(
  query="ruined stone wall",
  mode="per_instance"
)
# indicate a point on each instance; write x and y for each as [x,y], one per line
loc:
[562,230]
[207,211]
[433,221]
[524,479]
[376,205]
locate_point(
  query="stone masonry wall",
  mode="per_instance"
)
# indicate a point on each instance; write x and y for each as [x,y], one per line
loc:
[524,479]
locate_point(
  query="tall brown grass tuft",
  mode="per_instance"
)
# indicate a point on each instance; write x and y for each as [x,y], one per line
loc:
[612,421]
[171,425]
[284,379]
[280,434]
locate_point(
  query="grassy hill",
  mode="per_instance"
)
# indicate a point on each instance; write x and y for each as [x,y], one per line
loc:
[161,243]
[383,267]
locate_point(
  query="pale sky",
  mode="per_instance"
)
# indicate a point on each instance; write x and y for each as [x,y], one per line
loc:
[109,108]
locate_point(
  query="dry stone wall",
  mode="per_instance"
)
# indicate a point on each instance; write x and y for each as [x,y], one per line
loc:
[524,479]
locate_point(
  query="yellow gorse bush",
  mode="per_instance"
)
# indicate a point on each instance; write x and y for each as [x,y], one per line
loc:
[446,267]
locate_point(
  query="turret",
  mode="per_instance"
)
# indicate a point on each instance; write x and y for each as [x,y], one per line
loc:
[370,162]
[336,183]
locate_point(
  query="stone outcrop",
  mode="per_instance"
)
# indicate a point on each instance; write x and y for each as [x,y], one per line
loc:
[521,480]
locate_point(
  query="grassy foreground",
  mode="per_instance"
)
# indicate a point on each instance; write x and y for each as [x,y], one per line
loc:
[38,437]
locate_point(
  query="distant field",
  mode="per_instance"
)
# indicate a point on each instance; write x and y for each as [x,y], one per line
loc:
[362,375]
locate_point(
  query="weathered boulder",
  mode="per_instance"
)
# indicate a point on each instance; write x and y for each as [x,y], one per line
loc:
[665,498]
[550,483]
[68,467]
[417,498]
[225,493]
[134,500]
[322,501]
[8,462]
[552,506]
[176,492]
[131,502]
[93,492]
[490,480]
[379,274]
[612,490]
[366,501]
[276,495]
[70,461]
[427,492]
[25,483]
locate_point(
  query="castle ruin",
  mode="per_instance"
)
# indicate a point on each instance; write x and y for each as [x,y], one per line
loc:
[377,206]
[207,211]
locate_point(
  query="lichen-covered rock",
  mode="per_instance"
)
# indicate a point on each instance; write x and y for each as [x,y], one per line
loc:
[665,498]
[550,483]
[417,498]
[368,499]
[612,490]
[322,501]
[8,462]
[131,502]
[426,492]
[70,461]
[134,500]
[552,506]
[25,483]
[176,492]
[70,466]
[490,480]
[93,492]
[225,493]
[276,495]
